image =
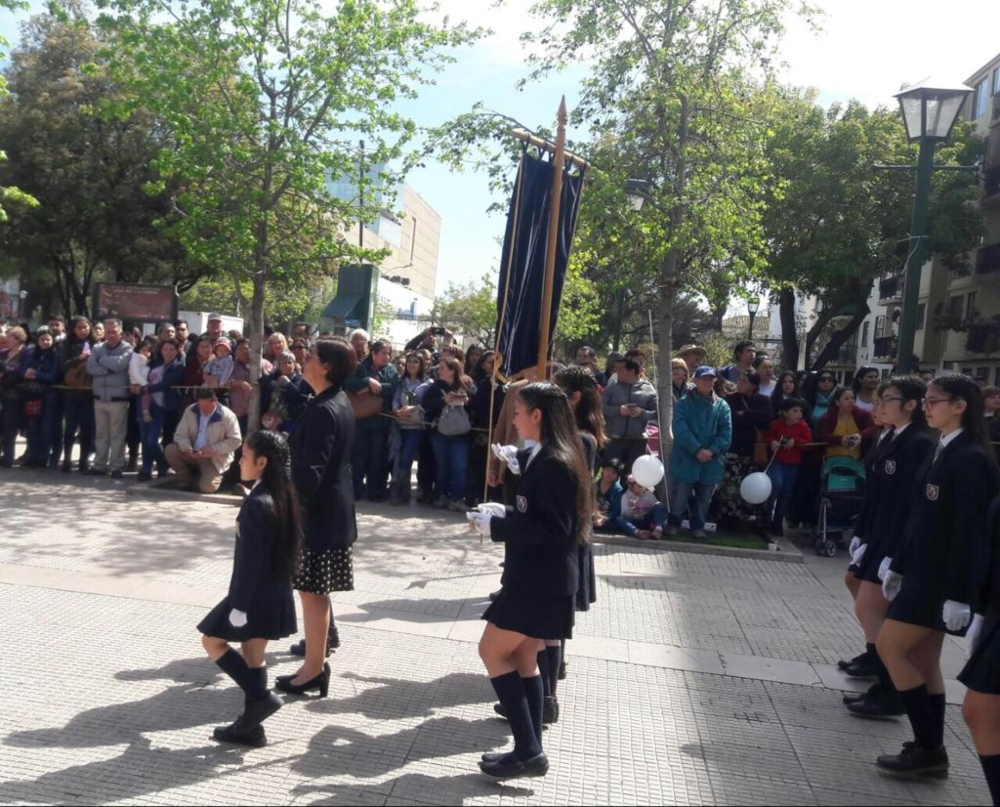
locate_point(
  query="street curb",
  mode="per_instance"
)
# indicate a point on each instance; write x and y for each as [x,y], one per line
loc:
[787,551]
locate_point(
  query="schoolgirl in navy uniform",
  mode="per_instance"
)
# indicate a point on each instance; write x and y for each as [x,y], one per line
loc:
[931,577]
[893,469]
[259,606]
[541,531]
[981,675]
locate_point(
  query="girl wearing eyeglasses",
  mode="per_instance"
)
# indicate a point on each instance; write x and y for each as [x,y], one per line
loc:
[932,575]
[892,470]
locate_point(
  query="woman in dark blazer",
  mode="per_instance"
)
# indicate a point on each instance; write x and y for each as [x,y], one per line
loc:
[981,675]
[321,470]
[541,531]
[931,578]
[892,472]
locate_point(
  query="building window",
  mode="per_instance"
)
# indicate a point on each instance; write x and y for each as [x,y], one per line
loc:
[970,306]
[864,333]
[921,314]
[955,306]
[996,80]
[879,326]
[981,97]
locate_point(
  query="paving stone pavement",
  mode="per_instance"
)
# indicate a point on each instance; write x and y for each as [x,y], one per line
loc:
[695,679]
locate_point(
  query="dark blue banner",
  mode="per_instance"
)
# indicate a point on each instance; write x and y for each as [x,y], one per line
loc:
[522,267]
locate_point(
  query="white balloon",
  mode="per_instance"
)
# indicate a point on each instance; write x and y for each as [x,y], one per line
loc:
[755,488]
[647,470]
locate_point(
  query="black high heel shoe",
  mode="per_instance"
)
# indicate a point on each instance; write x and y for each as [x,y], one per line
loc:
[320,682]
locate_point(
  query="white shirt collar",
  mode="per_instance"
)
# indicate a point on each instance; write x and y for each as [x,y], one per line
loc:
[945,440]
[900,430]
[534,447]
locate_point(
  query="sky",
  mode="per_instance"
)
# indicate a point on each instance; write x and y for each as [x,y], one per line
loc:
[866,50]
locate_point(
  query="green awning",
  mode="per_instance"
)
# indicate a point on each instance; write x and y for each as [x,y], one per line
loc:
[342,306]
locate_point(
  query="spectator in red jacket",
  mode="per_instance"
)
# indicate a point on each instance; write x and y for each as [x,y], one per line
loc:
[786,435]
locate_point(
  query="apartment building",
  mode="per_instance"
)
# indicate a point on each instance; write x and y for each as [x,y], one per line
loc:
[958,318]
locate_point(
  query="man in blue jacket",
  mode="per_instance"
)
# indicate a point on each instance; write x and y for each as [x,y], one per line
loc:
[703,430]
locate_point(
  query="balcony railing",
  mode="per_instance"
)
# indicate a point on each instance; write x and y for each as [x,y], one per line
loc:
[890,288]
[884,347]
[988,259]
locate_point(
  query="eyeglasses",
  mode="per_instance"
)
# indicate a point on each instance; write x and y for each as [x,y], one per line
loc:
[930,403]
[889,398]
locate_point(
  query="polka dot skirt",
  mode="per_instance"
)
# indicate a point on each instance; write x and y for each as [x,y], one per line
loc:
[325,571]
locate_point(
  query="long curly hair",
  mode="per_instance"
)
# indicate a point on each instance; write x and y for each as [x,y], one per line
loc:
[588,412]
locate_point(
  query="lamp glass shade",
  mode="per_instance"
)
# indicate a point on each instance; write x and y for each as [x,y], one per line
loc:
[753,305]
[636,201]
[931,111]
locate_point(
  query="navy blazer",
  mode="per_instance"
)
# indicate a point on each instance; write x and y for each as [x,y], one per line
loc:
[946,533]
[254,581]
[540,531]
[987,599]
[321,454]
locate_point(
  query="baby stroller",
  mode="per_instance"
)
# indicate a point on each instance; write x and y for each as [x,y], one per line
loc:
[841,497]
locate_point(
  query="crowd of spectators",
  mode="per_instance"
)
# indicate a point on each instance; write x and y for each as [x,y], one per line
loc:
[99,398]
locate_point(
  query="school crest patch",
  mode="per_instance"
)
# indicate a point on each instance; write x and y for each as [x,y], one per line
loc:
[890,467]
[933,491]
[522,504]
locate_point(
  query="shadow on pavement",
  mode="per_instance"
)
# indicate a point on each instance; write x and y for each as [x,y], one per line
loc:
[395,699]
[419,609]
[418,787]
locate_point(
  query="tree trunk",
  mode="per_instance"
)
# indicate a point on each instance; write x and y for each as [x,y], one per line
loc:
[839,338]
[789,331]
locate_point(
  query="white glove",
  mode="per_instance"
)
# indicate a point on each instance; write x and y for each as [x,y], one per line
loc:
[972,635]
[956,615]
[508,454]
[858,554]
[883,568]
[855,544]
[237,618]
[891,584]
[480,522]
[495,509]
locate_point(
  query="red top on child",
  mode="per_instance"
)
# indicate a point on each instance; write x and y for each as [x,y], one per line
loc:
[798,432]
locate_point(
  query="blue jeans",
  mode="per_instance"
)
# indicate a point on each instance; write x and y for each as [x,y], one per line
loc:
[451,455]
[79,415]
[54,426]
[783,478]
[410,440]
[149,433]
[680,495]
[370,460]
[654,518]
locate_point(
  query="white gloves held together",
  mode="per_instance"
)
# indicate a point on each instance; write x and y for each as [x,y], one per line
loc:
[856,550]
[508,454]
[956,615]
[237,618]
[480,518]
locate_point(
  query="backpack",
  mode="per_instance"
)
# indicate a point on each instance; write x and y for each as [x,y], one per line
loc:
[454,421]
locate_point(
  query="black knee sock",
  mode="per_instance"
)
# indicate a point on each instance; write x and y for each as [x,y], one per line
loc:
[250,681]
[543,670]
[921,713]
[555,657]
[333,623]
[510,690]
[534,692]
[260,679]
[881,671]
[991,769]
[935,707]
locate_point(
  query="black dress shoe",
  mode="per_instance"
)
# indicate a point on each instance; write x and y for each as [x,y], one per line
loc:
[550,710]
[843,665]
[878,705]
[916,761]
[321,683]
[863,669]
[510,767]
[255,738]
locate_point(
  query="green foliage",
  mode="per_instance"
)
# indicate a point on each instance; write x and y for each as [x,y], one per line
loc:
[10,195]
[469,309]
[836,223]
[96,221]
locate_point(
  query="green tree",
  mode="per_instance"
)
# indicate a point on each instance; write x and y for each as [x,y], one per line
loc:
[837,223]
[96,220]
[469,308]
[8,193]
[673,99]
[265,100]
